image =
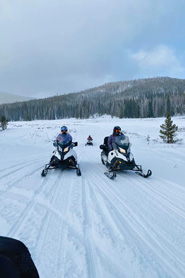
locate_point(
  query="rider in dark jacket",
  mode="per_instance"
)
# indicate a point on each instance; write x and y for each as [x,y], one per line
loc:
[64,136]
[112,138]
[89,138]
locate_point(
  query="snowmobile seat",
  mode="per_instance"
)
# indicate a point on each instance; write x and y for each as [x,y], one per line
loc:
[105,141]
[105,147]
[15,260]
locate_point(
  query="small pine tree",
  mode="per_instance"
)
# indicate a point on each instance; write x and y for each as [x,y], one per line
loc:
[168,130]
[4,122]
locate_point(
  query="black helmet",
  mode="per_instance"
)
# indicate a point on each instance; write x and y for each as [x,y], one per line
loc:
[117,130]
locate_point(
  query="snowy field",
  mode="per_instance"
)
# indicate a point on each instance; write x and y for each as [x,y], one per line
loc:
[91,226]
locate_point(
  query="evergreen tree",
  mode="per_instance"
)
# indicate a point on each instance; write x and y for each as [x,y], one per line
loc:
[121,113]
[168,105]
[168,130]
[4,122]
[150,110]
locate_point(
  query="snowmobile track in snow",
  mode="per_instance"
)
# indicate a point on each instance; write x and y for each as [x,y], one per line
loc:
[90,248]
[91,226]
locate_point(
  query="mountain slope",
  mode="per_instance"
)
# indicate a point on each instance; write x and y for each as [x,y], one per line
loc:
[148,85]
[10,98]
[152,97]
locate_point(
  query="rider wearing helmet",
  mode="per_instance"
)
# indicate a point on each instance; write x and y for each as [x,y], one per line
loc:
[89,138]
[64,136]
[112,137]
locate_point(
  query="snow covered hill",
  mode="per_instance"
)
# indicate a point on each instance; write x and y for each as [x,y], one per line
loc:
[10,98]
[91,226]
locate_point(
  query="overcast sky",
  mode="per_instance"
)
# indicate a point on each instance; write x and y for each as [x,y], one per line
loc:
[50,47]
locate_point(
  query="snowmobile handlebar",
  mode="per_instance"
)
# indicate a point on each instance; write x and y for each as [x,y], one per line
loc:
[57,143]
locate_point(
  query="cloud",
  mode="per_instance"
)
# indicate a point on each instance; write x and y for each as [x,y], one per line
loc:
[63,46]
[161,60]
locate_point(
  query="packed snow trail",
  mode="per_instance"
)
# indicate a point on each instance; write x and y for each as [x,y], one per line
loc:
[91,226]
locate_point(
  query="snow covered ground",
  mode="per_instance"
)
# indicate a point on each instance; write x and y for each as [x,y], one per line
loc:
[91,226]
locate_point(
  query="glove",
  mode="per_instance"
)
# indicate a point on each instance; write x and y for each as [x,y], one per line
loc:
[55,144]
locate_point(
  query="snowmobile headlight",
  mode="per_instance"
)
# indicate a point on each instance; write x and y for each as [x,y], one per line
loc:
[122,150]
[66,149]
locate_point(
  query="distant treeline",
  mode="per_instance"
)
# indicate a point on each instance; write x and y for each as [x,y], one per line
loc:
[130,99]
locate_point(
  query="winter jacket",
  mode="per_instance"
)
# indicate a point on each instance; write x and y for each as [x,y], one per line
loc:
[64,138]
[15,259]
[112,139]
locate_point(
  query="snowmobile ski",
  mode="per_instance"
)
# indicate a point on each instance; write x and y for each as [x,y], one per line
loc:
[148,174]
[78,171]
[44,173]
[110,175]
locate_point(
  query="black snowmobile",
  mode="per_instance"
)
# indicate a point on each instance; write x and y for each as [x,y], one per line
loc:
[89,141]
[63,157]
[15,260]
[120,158]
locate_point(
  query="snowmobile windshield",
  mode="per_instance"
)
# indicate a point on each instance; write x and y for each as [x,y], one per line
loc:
[122,141]
[64,141]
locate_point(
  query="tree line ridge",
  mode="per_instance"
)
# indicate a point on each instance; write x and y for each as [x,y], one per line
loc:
[152,97]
